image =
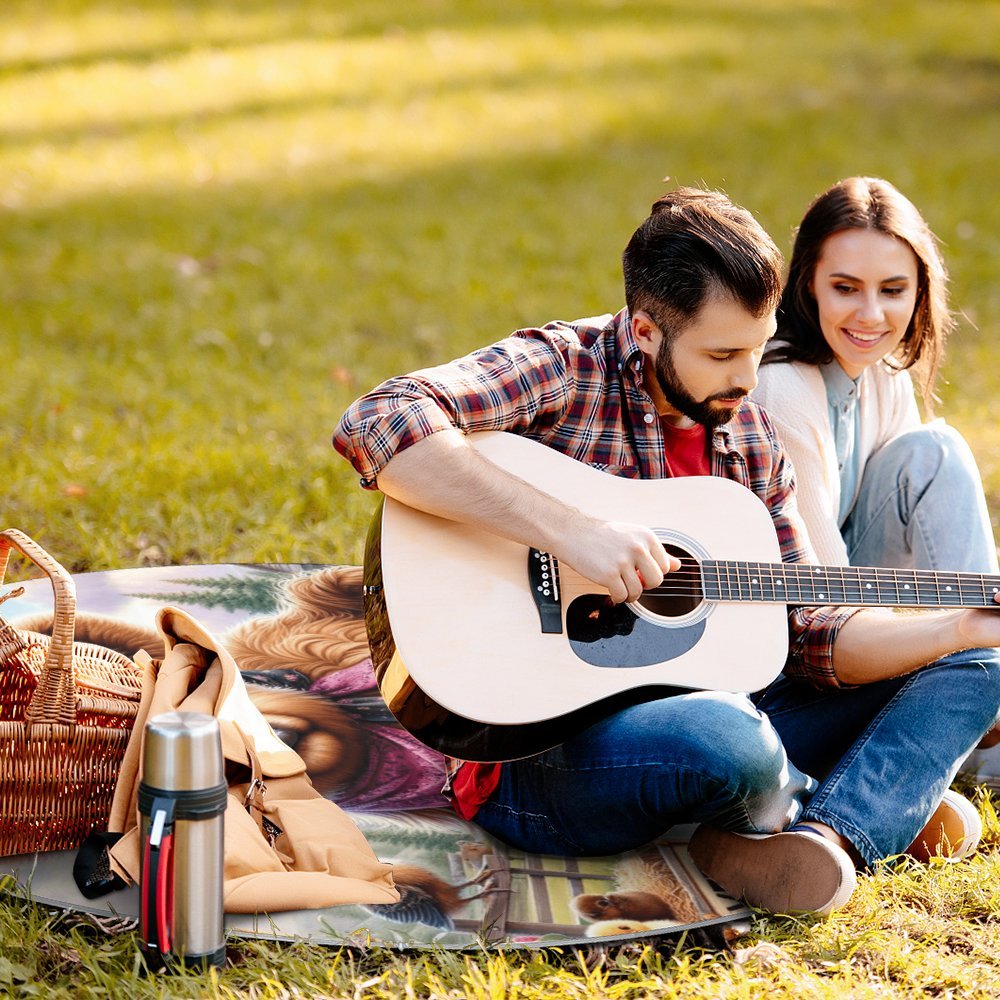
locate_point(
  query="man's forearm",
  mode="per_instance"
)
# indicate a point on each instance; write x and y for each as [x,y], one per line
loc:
[878,643]
[444,475]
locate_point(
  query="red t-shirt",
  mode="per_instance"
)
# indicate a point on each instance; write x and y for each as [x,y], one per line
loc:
[686,455]
[686,450]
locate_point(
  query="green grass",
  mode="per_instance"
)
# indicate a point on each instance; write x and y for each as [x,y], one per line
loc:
[914,931]
[221,221]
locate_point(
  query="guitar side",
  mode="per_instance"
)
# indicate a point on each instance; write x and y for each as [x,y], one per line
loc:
[456,640]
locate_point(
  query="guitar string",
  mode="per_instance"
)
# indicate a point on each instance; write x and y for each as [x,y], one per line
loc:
[680,583]
[688,581]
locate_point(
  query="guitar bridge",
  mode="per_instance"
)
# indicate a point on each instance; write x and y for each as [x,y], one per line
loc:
[543,577]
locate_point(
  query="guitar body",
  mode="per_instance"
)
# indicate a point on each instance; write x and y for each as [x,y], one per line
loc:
[476,664]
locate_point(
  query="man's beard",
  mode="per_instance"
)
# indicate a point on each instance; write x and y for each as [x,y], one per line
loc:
[680,399]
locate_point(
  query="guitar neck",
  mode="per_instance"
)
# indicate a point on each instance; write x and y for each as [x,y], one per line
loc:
[801,583]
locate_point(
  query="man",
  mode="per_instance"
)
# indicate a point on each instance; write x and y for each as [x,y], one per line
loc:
[857,742]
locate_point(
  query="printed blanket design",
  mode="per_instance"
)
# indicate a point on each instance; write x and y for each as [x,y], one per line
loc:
[298,635]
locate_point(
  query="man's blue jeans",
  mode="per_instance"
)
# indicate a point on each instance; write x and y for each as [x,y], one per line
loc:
[886,752]
[695,756]
[872,762]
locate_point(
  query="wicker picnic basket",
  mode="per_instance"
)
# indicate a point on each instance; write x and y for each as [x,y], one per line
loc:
[66,711]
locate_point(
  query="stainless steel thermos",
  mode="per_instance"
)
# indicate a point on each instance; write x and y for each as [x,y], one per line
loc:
[182,800]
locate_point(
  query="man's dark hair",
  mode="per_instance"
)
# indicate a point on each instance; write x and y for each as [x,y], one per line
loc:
[694,244]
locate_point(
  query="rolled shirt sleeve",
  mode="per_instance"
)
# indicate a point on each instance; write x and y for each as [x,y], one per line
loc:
[518,383]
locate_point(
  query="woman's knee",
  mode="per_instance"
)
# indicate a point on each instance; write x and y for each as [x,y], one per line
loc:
[927,452]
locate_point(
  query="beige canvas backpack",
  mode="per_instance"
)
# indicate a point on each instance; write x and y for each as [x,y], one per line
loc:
[286,847]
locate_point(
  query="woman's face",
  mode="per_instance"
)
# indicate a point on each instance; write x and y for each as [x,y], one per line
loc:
[865,285]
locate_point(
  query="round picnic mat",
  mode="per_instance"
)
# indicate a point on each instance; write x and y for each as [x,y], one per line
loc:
[297,633]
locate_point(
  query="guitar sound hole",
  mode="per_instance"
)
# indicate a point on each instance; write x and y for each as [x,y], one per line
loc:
[680,593]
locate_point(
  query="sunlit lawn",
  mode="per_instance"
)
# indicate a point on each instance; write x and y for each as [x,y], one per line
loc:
[222,221]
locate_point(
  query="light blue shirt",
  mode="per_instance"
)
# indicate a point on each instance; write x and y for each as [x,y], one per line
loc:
[842,402]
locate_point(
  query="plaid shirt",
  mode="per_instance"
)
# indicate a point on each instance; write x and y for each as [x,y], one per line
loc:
[577,387]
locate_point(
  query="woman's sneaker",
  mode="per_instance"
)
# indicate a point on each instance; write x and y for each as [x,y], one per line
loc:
[953,832]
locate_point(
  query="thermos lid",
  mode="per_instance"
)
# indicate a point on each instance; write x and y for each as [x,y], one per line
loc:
[182,752]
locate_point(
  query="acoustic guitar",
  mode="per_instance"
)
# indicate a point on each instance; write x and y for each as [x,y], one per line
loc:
[489,650]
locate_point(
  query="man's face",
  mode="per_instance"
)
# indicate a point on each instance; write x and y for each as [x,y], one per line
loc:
[703,374]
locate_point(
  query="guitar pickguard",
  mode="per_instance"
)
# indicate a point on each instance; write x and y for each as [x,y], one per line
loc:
[613,635]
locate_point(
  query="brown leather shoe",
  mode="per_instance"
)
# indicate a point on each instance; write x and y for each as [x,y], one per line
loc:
[953,832]
[788,872]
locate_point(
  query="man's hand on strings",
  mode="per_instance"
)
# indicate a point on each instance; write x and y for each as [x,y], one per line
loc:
[624,558]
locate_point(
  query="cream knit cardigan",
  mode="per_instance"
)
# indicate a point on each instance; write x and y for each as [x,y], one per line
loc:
[794,395]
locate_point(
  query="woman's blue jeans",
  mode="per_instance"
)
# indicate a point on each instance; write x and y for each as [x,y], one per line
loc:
[886,752]
[920,505]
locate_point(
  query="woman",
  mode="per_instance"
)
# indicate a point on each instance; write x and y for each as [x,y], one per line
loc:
[865,304]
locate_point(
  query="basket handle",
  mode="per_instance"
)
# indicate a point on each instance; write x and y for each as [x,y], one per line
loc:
[54,700]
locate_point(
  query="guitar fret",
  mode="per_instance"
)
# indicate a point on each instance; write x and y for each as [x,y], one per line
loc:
[729,583]
[732,587]
[949,589]
[851,584]
[772,594]
[968,588]
[709,587]
[766,582]
[789,575]
[716,581]
[923,595]
[867,586]
[909,592]
[778,587]
[799,596]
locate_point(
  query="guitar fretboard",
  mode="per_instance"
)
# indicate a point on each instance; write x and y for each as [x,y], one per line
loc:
[800,583]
